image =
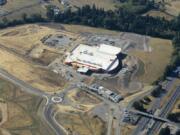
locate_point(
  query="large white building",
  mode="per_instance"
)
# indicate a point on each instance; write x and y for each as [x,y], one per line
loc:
[102,57]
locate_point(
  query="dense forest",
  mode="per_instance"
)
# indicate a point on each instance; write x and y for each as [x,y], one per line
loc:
[119,20]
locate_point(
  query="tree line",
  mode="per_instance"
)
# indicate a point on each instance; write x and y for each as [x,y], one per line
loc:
[119,20]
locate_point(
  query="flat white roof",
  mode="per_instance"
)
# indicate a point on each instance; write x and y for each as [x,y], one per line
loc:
[112,50]
[95,56]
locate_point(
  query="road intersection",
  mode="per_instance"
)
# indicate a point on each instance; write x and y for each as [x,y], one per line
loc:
[116,110]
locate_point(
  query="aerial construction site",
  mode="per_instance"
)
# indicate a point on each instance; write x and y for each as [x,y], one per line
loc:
[88,76]
[89,67]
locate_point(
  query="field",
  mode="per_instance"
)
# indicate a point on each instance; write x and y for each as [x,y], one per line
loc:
[85,29]
[154,62]
[168,9]
[173,7]
[20,112]
[76,116]
[15,8]
[21,46]
[82,124]
[106,4]
[156,13]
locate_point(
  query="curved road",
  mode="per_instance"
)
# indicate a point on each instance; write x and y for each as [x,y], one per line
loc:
[49,116]
[48,111]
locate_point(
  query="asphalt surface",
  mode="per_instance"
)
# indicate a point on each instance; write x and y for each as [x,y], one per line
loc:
[165,111]
[48,111]
[25,87]
[151,116]
[49,114]
[143,123]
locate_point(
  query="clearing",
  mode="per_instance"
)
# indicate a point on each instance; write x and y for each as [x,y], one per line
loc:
[173,7]
[21,46]
[80,123]
[155,62]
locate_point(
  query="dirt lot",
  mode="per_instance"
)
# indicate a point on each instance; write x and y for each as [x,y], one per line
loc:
[80,123]
[25,38]
[85,29]
[153,58]
[22,46]
[21,115]
[82,97]
[36,76]
[154,62]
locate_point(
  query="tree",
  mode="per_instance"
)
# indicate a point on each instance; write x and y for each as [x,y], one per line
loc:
[165,131]
[179,106]
[139,106]
[178,132]
[50,12]
[175,117]
[147,99]
[5,21]
[24,17]
[157,92]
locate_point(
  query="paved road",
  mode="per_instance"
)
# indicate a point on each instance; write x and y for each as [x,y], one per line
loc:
[25,86]
[49,116]
[143,123]
[165,111]
[48,111]
[151,116]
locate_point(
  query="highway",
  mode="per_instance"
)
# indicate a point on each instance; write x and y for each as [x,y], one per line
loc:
[165,111]
[153,117]
[48,111]
[49,114]
[143,123]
